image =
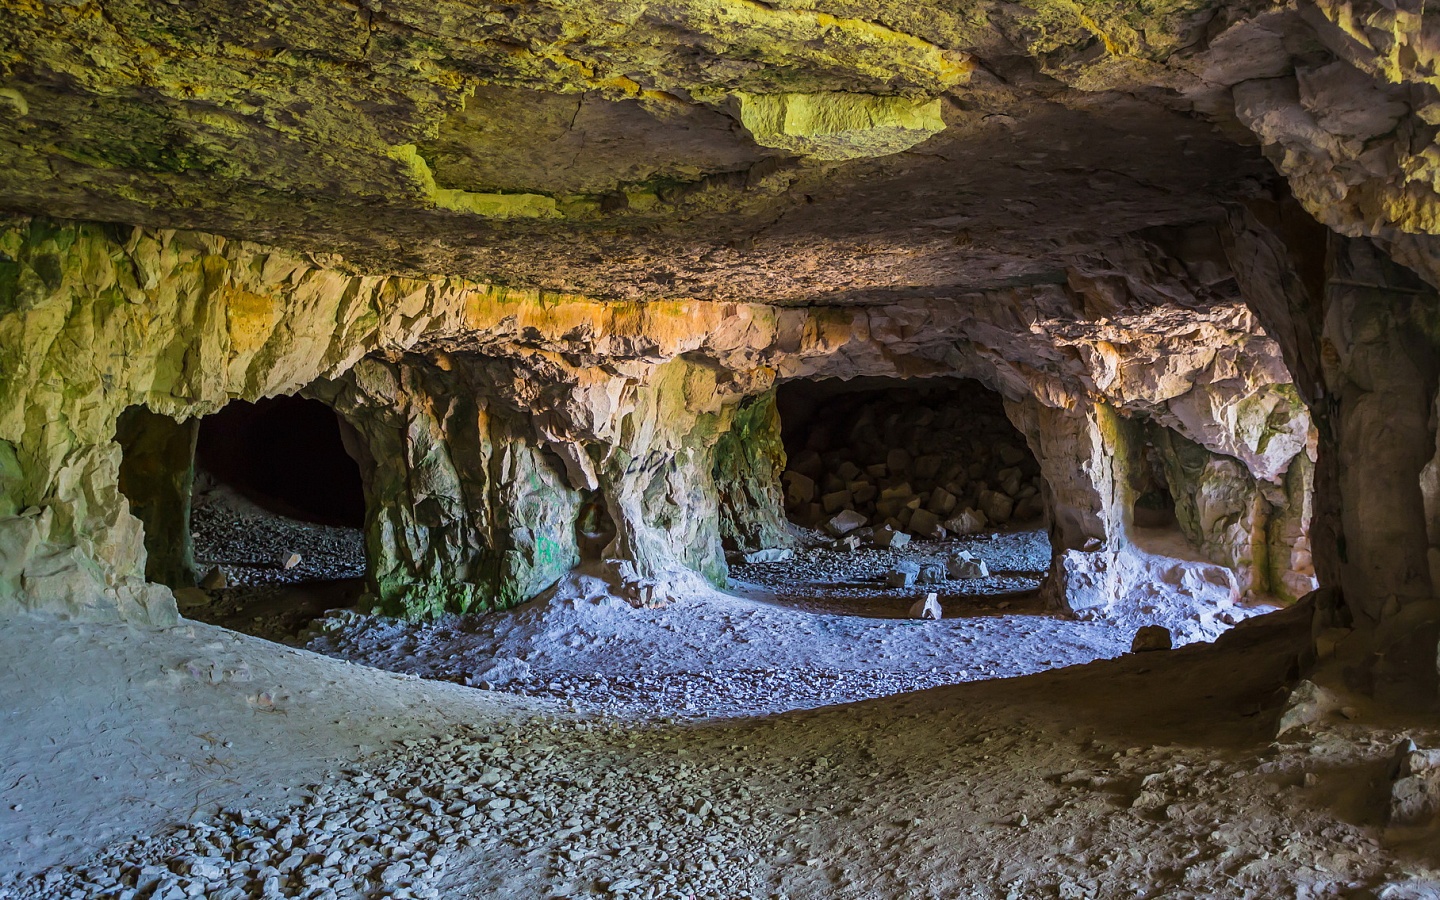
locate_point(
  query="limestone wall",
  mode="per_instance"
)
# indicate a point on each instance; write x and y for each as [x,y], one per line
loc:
[515,407]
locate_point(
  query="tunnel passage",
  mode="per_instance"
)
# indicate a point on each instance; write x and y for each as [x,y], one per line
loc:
[286,455]
[277,512]
[934,459]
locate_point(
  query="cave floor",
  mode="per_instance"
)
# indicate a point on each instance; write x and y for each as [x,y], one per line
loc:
[816,630]
[197,761]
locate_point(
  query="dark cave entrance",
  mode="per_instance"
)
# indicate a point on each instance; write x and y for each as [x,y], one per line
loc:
[900,488]
[277,515]
[913,455]
[286,455]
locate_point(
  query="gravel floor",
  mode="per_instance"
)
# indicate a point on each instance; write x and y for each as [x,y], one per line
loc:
[816,630]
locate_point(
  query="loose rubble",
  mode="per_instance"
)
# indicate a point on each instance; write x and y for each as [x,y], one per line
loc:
[908,463]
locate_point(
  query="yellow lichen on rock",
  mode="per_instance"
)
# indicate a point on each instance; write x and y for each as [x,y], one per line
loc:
[489,205]
[839,126]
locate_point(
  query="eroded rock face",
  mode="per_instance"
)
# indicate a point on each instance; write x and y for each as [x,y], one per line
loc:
[492,417]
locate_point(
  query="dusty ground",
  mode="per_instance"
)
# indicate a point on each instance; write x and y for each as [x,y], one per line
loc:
[707,749]
[1150,775]
[819,629]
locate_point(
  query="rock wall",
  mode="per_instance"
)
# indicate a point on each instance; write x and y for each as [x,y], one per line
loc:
[630,401]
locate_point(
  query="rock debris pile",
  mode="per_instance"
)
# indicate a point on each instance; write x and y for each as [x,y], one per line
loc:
[250,546]
[922,467]
[612,821]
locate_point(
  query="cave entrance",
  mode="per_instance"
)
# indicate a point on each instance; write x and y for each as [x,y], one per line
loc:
[277,514]
[901,488]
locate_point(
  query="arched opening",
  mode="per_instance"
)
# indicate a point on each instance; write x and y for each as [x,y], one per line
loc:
[594,529]
[1154,505]
[286,455]
[903,488]
[278,508]
[905,454]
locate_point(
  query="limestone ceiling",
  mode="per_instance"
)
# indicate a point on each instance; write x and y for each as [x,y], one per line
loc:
[716,149]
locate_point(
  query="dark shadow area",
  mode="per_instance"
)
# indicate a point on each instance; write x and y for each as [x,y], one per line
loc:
[933,457]
[594,529]
[284,454]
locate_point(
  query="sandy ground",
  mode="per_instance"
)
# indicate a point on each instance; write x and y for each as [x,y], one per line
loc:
[1150,775]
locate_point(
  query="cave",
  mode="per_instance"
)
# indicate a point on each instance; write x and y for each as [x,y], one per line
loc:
[734,450]
[936,448]
[286,455]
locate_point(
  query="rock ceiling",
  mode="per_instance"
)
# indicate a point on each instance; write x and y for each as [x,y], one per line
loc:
[709,149]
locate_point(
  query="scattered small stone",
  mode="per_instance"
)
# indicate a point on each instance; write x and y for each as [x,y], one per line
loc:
[291,561]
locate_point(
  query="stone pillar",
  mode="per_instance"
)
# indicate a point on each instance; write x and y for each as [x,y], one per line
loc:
[1075,447]
[749,459]
[1381,367]
[157,474]
[465,512]
[656,469]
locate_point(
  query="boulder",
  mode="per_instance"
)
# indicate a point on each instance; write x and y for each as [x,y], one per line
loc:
[898,461]
[214,579]
[924,523]
[885,536]
[996,506]
[1415,785]
[799,490]
[835,501]
[1009,454]
[941,502]
[963,565]
[903,575]
[191,598]
[844,522]
[931,573]
[968,522]
[1151,637]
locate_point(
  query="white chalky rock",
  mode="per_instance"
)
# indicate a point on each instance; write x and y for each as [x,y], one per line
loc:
[963,565]
[929,608]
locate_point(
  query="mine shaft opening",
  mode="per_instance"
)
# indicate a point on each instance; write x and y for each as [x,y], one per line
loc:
[278,508]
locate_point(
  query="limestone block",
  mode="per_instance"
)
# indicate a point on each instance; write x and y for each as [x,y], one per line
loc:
[925,524]
[844,522]
[996,506]
[968,522]
[964,565]
[903,575]
[1415,785]
[887,537]
[927,608]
